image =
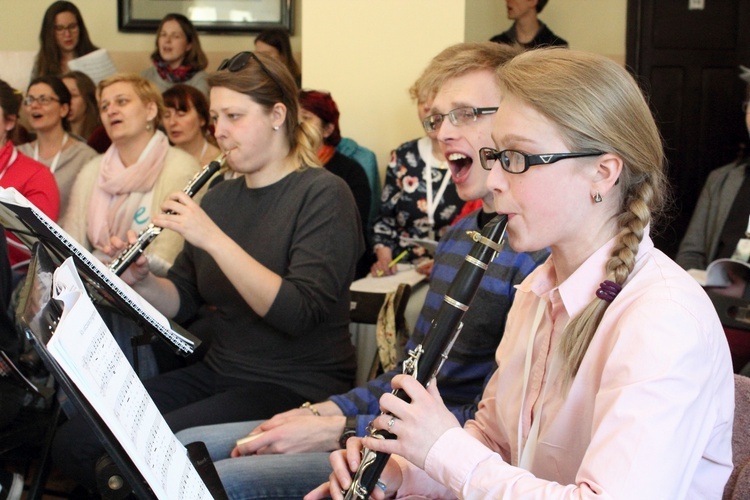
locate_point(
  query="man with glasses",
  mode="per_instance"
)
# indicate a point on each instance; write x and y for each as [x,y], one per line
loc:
[287,455]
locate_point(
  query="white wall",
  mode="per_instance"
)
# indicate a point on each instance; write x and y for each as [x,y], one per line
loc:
[369,54]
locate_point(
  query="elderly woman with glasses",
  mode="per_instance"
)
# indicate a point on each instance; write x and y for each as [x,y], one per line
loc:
[63,37]
[614,378]
[419,198]
[47,106]
[265,271]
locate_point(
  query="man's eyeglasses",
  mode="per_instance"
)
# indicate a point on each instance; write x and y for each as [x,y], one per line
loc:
[73,27]
[516,162]
[43,100]
[239,61]
[458,117]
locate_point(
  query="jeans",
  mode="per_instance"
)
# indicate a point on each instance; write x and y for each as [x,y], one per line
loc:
[258,476]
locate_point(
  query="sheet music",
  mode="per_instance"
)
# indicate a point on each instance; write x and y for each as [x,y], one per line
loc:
[85,349]
[18,213]
[97,65]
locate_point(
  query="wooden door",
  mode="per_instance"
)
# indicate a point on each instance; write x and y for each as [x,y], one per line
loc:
[687,60]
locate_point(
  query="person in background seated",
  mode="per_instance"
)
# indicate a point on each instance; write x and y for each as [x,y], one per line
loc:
[84,111]
[288,455]
[274,251]
[47,105]
[275,43]
[63,37]
[320,110]
[614,377]
[29,177]
[187,122]
[527,30]
[419,198]
[365,157]
[720,225]
[178,57]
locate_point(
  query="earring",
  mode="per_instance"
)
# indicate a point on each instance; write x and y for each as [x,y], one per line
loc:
[276,127]
[148,126]
[597,197]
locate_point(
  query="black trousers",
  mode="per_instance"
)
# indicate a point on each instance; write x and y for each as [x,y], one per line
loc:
[188,397]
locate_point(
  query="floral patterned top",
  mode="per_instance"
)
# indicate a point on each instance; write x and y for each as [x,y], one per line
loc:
[404,203]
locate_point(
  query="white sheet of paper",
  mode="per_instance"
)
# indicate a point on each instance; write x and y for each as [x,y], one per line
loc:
[86,350]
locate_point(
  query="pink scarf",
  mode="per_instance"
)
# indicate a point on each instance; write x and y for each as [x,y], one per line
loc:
[119,190]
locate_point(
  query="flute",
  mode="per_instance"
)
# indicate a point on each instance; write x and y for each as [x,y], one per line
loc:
[133,251]
[425,361]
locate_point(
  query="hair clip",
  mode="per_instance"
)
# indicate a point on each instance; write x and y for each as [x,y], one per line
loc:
[608,290]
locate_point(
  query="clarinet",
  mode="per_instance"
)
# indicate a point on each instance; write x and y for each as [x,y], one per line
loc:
[132,252]
[425,361]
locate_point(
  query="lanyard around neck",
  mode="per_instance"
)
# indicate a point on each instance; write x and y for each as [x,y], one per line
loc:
[56,159]
[432,204]
[13,157]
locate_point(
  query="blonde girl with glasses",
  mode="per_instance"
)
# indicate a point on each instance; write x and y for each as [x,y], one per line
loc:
[63,37]
[47,105]
[614,377]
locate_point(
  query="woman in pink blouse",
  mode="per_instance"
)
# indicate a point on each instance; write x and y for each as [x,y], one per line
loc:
[614,377]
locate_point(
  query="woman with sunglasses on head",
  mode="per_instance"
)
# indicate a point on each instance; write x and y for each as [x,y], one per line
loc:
[178,57]
[63,37]
[47,105]
[30,178]
[187,122]
[614,378]
[271,253]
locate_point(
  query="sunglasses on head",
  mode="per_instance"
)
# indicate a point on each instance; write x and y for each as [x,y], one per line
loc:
[239,61]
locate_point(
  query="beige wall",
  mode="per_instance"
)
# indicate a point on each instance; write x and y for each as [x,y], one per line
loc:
[367,53]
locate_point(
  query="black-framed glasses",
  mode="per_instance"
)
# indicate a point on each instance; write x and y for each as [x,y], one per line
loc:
[458,117]
[70,28]
[516,162]
[240,60]
[43,100]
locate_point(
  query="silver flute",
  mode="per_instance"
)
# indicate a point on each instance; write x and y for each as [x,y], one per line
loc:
[133,251]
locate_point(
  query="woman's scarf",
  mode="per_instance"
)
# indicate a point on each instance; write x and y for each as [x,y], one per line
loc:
[325,153]
[180,74]
[118,190]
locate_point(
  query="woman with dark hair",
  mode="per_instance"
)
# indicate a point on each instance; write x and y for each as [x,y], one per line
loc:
[275,43]
[272,252]
[320,110]
[187,122]
[28,177]
[178,57]
[47,105]
[63,37]
[84,112]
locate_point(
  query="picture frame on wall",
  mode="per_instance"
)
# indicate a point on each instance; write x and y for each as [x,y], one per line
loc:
[216,16]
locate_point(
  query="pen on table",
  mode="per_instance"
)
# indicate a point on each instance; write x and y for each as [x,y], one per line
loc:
[394,261]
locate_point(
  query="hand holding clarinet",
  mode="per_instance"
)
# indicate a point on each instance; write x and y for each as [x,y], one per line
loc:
[413,417]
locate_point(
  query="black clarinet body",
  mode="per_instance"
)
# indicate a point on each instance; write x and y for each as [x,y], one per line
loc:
[426,359]
[133,251]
